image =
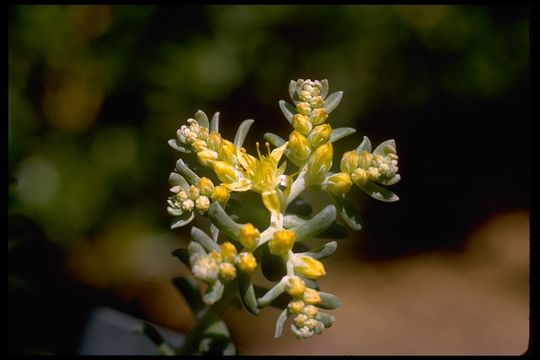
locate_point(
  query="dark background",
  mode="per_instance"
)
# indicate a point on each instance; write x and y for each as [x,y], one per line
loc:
[95,92]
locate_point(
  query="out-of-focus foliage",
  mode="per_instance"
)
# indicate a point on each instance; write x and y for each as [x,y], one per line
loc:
[94,92]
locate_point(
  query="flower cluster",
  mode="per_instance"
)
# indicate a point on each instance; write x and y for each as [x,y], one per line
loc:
[244,237]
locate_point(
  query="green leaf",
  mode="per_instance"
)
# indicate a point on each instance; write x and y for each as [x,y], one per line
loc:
[292,89]
[176,145]
[324,88]
[195,248]
[334,231]
[183,169]
[322,252]
[290,221]
[348,212]
[364,146]
[202,119]
[176,179]
[325,318]
[316,224]
[287,109]
[182,255]
[214,123]
[247,293]
[310,283]
[280,322]
[274,139]
[223,221]
[153,335]
[182,220]
[379,193]
[174,211]
[215,232]
[241,133]
[340,133]
[272,294]
[329,301]
[213,293]
[386,147]
[272,266]
[189,288]
[202,238]
[299,84]
[216,340]
[332,101]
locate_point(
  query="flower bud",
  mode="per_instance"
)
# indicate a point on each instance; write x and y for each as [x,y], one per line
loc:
[299,320]
[299,146]
[246,262]
[206,157]
[365,159]
[220,194]
[309,267]
[305,95]
[281,242]
[214,141]
[199,145]
[301,124]
[311,296]
[188,205]
[181,196]
[310,311]
[203,133]
[205,185]
[227,152]
[303,108]
[295,286]
[228,251]
[296,306]
[205,268]
[320,135]
[318,116]
[202,203]
[319,163]
[373,174]
[193,192]
[227,271]
[316,102]
[359,176]
[339,184]
[249,235]
[349,161]
[224,171]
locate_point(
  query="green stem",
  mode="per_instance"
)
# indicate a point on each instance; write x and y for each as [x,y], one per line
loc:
[209,316]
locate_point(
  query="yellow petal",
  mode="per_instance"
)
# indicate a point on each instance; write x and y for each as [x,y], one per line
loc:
[272,202]
[240,185]
[277,153]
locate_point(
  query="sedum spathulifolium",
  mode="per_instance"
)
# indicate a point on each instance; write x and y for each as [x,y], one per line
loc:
[274,238]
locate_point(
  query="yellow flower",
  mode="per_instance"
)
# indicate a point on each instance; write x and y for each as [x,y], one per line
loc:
[220,194]
[311,296]
[206,157]
[246,262]
[296,306]
[359,176]
[339,183]
[281,242]
[295,286]
[205,185]
[249,236]
[309,267]
[228,251]
[227,271]
[225,171]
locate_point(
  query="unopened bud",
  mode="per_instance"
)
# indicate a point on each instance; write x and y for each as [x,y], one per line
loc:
[301,124]
[220,194]
[319,163]
[246,262]
[320,135]
[249,235]
[319,116]
[224,171]
[281,242]
[359,176]
[295,286]
[299,146]
[205,186]
[349,161]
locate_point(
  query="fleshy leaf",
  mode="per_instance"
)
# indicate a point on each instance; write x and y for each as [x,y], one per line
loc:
[274,139]
[326,319]
[379,193]
[247,293]
[290,221]
[241,133]
[202,238]
[365,145]
[177,146]
[322,252]
[202,119]
[333,101]
[189,288]
[272,266]
[177,179]
[334,231]
[394,179]
[213,293]
[182,220]
[196,248]
[223,221]
[348,212]
[316,224]
[287,109]
[272,294]
[292,89]
[324,88]
[328,301]
[174,211]
[214,123]
[388,146]
[183,169]
[280,322]
[340,133]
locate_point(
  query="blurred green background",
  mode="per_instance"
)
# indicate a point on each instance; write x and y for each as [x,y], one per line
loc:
[95,92]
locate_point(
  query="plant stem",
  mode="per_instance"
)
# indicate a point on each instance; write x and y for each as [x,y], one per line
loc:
[209,316]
